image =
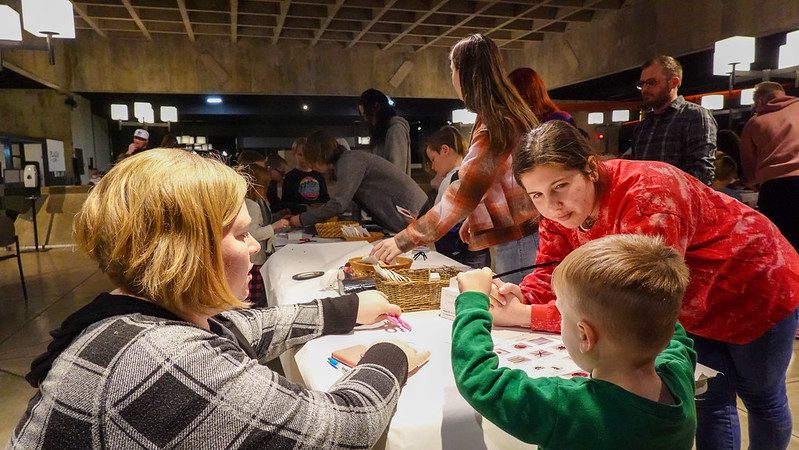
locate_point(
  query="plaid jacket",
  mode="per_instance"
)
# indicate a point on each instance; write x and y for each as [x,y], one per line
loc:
[684,135]
[498,209]
[136,381]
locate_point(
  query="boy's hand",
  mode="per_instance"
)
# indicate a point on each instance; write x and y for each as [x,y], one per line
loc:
[502,293]
[478,280]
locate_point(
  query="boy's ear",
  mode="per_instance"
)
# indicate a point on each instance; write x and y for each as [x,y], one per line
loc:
[444,149]
[588,336]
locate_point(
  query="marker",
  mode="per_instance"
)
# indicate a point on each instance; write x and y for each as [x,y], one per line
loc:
[338,364]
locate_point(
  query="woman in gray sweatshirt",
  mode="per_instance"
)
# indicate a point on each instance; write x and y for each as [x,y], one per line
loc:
[379,187]
[390,135]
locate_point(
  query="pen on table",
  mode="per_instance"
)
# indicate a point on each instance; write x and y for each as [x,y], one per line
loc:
[395,319]
[522,269]
[338,364]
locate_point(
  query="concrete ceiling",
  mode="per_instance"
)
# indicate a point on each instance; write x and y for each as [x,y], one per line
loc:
[414,24]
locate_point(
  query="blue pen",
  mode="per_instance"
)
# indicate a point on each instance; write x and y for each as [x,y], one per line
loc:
[338,364]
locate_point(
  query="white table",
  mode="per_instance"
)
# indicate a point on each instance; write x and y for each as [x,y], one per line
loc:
[291,259]
[431,414]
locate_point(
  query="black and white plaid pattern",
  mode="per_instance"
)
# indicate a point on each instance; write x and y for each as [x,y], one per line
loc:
[136,381]
[683,136]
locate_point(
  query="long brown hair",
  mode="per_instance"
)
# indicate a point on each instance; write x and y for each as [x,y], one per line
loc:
[531,88]
[488,92]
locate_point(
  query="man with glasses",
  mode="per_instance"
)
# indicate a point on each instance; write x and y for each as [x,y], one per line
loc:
[674,131]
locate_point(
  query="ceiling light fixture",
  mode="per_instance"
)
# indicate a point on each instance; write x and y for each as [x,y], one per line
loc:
[49,19]
[713,102]
[620,115]
[748,97]
[169,114]
[10,29]
[596,118]
[119,112]
[789,53]
[214,100]
[735,50]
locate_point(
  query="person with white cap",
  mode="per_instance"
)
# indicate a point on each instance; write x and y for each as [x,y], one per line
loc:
[140,139]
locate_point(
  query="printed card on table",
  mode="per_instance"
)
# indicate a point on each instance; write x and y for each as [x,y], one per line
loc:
[537,354]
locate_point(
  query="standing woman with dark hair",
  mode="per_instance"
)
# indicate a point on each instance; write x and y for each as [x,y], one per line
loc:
[500,214]
[389,133]
[532,89]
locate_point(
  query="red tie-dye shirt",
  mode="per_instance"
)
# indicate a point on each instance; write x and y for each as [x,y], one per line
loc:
[744,274]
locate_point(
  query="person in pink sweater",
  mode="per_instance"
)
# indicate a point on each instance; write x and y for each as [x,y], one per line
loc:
[740,306]
[770,156]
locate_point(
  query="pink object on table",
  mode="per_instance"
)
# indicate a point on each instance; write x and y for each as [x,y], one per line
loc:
[393,318]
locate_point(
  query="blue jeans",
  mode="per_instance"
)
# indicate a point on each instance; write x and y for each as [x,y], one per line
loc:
[515,254]
[755,372]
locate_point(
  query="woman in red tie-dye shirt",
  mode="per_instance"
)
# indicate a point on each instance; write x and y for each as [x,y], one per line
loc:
[741,305]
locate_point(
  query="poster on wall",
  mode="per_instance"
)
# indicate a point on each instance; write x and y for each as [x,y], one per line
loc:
[55,156]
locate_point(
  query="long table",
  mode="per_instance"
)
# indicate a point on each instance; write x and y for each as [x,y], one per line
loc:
[431,413]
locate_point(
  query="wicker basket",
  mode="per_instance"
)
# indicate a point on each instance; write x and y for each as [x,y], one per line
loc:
[373,236]
[367,270]
[332,229]
[419,294]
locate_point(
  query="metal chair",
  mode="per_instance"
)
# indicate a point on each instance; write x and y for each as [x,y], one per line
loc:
[8,237]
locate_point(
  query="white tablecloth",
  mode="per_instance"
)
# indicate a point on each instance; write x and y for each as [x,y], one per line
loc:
[431,414]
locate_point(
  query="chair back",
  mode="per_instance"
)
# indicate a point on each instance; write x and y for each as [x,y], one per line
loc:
[6,230]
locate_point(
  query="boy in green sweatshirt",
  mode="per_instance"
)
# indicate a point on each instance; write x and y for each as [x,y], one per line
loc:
[619,298]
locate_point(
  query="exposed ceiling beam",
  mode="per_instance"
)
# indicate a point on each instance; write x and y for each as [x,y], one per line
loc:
[332,10]
[435,7]
[375,17]
[82,13]
[281,19]
[184,14]
[521,15]
[234,20]
[136,19]
[561,14]
[459,24]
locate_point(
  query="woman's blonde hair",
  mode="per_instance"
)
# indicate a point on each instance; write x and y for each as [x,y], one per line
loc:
[155,225]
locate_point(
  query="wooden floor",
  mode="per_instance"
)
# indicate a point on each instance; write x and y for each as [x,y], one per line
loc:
[61,281]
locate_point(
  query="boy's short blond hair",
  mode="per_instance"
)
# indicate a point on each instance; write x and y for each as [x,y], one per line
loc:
[155,225]
[631,286]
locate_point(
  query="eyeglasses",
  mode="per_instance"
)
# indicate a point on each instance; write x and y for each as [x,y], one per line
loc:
[652,82]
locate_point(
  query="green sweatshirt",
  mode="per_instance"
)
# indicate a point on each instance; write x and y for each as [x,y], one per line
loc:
[580,413]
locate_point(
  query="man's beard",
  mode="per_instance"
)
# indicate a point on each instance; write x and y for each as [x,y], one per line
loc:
[657,100]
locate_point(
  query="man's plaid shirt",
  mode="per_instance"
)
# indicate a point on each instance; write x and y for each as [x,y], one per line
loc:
[684,135]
